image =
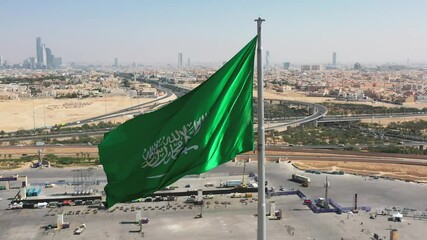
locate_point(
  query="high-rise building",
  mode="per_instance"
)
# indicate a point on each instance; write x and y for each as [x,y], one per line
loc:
[334,58]
[39,51]
[188,62]
[286,65]
[44,56]
[179,59]
[116,62]
[49,58]
[1,61]
[267,58]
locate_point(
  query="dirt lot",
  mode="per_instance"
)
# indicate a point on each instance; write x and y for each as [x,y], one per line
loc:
[19,114]
[397,171]
[296,96]
[386,121]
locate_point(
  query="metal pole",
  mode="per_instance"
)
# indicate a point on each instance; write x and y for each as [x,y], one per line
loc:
[34,117]
[44,117]
[261,140]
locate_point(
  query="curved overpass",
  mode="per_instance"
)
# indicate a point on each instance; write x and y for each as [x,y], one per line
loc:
[319,111]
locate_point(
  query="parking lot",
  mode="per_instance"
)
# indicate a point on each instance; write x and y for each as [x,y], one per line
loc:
[225,217]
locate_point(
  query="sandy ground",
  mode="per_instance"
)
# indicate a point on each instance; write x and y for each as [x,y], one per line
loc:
[418,105]
[19,114]
[386,121]
[397,171]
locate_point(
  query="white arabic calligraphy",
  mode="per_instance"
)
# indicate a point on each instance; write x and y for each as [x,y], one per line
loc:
[168,148]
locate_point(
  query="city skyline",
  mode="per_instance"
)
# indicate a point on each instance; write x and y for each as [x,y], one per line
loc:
[44,58]
[148,33]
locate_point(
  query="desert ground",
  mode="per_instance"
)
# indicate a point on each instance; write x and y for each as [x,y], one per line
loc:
[386,121]
[19,114]
[395,171]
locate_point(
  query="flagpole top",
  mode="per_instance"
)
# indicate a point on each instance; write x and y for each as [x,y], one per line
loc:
[259,19]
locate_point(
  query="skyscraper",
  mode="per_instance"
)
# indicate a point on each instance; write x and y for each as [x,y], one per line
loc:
[39,51]
[44,56]
[334,58]
[1,61]
[267,58]
[188,63]
[286,65]
[116,62]
[49,58]
[179,59]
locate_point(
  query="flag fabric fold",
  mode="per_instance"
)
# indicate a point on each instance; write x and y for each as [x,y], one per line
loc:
[199,131]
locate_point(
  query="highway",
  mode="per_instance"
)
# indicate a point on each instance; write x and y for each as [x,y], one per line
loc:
[343,157]
[319,116]
[353,118]
[319,112]
[134,110]
[53,135]
[168,97]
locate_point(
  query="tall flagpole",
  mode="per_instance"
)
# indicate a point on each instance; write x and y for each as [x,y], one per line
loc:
[261,140]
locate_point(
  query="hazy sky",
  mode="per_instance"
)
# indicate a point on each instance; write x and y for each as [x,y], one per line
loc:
[212,31]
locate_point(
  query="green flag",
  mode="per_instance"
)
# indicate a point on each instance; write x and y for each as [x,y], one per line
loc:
[201,130]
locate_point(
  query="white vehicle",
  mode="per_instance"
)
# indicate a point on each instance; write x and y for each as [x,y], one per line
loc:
[208,196]
[40,205]
[80,229]
[16,205]
[253,185]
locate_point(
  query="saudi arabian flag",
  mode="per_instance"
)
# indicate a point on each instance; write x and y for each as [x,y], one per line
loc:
[194,134]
